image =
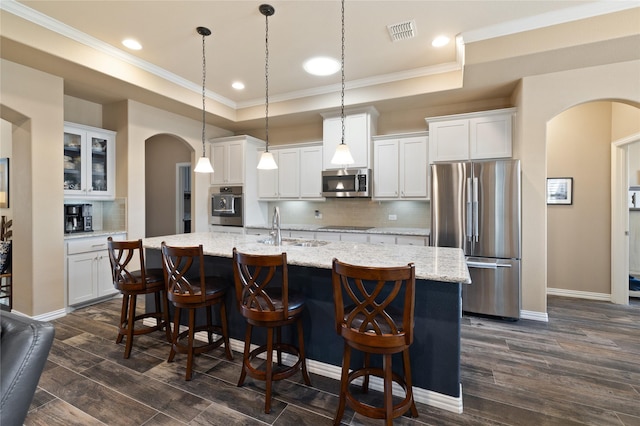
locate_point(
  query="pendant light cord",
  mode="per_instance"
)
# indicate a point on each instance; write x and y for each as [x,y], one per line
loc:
[204,76]
[342,69]
[266,80]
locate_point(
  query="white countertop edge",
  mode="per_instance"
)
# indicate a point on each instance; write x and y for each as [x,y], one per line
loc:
[92,234]
[432,263]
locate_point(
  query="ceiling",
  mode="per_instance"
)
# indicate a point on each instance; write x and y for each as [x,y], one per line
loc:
[499,42]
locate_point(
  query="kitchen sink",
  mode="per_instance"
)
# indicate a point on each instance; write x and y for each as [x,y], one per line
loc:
[295,242]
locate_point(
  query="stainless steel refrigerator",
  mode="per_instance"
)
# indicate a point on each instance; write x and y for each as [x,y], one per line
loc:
[476,206]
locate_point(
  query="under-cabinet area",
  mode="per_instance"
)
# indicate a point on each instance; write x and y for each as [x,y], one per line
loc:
[414,237]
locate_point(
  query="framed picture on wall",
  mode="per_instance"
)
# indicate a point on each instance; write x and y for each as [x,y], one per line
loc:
[560,190]
[4,183]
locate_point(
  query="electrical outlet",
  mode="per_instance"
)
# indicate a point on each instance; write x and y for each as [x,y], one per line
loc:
[318,215]
[393,217]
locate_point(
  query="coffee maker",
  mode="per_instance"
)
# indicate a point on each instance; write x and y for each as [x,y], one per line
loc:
[78,218]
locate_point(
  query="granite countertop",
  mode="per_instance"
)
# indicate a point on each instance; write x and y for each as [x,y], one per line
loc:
[432,263]
[421,232]
[101,233]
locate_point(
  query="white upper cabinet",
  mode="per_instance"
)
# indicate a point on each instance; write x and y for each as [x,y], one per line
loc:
[311,172]
[289,173]
[401,167]
[474,136]
[227,158]
[89,162]
[359,127]
[298,176]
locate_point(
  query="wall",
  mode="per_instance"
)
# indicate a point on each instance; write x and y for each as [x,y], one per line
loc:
[578,146]
[539,99]
[33,102]
[162,154]
[142,123]
[355,212]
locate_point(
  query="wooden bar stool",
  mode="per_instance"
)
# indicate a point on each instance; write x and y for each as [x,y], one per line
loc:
[374,310]
[191,293]
[124,256]
[264,300]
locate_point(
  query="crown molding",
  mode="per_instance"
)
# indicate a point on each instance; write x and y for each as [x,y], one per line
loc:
[548,19]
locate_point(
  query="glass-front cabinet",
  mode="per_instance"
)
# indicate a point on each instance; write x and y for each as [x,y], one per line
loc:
[89,162]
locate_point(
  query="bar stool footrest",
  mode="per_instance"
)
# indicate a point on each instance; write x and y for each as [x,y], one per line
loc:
[277,375]
[378,412]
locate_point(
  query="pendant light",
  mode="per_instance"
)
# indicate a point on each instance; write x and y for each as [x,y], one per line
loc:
[267,162]
[204,165]
[342,155]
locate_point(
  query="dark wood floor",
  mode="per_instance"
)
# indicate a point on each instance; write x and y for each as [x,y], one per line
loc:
[580,368]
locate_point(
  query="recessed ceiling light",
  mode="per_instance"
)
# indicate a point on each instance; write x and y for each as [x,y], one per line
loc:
[322,65]
[131,44]
[238,85]
[440,41]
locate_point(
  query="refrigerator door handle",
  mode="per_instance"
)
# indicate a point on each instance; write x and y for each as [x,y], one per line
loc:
[469,231]
[475,210]
[482,265]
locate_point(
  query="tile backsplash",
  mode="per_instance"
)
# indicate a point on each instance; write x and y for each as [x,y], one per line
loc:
[355,212]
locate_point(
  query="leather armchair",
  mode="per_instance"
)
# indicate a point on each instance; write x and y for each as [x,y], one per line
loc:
[24,347]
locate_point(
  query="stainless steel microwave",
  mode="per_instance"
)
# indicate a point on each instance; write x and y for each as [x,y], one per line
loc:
[347,183]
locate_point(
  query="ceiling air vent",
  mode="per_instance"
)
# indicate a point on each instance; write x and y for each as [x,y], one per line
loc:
[402,31]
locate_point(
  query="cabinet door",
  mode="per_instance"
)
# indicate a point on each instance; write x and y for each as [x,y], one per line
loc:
[103,274]
[409,240]
[218,162]
[311,172]
[328,236]
[268,179]
[449,140]
[81,276]
[235,164]
[288,173]
[413,167]
[101,160]
[490,137]
[331,138]
[357,137]
[385,170]
[353,237]
[74,165]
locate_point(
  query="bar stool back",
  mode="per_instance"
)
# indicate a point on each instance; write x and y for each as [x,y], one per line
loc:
[265,301]
[187,292]
[374,310]
[124,256]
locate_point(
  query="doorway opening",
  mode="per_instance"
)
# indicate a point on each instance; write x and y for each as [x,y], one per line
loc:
[183,198]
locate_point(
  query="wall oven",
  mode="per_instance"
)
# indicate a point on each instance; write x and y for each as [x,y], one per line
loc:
[225,205]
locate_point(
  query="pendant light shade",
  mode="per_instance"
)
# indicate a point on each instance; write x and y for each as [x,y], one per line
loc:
[204,165]
[267,162]
[342,155]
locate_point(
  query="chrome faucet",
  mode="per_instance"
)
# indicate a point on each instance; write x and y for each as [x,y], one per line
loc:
[276,237]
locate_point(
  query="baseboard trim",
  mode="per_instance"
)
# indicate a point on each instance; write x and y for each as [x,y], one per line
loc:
[578,294]
[534,315]
[50,316]
[424,396]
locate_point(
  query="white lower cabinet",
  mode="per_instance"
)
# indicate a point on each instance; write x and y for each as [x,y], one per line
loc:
[89,269]
[409,240]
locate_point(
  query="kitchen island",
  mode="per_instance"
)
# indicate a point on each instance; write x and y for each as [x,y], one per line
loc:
[440,273]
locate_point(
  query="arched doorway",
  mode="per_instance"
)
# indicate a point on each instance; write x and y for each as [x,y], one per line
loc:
[587,250]
[162,154]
